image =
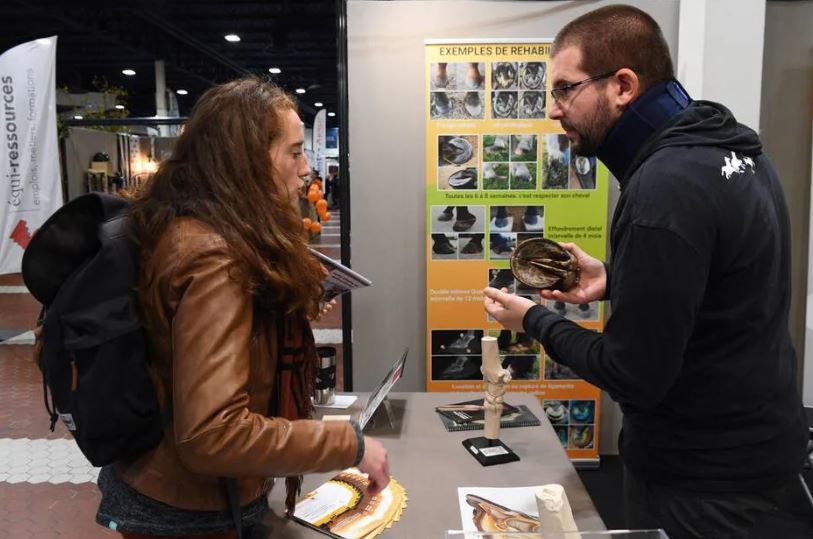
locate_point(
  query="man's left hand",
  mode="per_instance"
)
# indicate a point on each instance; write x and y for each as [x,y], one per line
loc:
[507,309]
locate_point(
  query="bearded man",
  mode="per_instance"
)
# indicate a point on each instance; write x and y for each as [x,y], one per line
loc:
[697,350]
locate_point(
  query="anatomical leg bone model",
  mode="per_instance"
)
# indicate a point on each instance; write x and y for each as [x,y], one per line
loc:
[496,381]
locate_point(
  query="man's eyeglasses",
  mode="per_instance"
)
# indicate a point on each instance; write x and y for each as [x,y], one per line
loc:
[561,93]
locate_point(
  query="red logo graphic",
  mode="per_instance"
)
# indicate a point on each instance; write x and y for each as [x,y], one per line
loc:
[20,235]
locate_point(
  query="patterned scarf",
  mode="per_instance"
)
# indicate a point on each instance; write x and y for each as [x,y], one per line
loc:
[295,380]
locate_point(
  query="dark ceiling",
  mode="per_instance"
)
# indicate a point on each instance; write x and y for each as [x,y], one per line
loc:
[100,38]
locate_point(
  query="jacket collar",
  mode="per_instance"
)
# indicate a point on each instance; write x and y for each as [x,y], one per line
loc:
[645,117]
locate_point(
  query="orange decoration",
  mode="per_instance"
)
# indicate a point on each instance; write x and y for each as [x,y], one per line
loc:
[306,222]
[316,228]
[313,196]
[321,206]
[326,216]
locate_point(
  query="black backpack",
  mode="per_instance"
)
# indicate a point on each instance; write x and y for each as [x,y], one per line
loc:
[82,266]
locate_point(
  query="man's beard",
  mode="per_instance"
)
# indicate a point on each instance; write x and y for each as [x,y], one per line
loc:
[591,135]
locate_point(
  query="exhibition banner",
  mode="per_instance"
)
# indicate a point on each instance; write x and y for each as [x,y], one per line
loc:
[30,183]
[332,139]
[499,172]
[319,141]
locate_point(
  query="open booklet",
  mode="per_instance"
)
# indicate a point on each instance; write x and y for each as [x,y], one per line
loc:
[517,509]
[339,279]
[343,508]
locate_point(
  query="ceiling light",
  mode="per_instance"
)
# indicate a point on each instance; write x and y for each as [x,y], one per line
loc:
[128,72]
[318,104]
[119,107]
[274,70]
[300,90]
[331,114]
[78,117]
[182,92]
[232,38]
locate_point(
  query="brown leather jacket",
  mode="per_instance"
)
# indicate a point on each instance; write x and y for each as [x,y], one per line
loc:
[216,362]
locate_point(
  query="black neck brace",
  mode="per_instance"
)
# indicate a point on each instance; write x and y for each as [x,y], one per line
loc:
[645,117]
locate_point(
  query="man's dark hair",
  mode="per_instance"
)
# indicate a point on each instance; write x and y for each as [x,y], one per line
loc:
[618,36]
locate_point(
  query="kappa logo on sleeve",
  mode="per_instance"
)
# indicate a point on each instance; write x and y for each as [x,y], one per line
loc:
[736,165]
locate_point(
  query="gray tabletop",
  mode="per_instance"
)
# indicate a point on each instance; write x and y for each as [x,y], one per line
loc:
[432,463]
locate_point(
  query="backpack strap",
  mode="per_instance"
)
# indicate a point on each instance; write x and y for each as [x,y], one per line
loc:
[38,351]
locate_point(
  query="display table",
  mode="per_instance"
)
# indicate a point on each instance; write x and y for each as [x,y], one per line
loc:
[431,463]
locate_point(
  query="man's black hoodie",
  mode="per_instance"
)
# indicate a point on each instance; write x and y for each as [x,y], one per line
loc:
[697,350]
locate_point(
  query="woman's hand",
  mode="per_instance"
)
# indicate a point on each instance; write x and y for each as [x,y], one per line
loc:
[592,283]
[325,309]
[375,464]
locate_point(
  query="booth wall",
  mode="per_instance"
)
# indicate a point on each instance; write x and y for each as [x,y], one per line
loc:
[80,146]
[386,71]
[787,96]
[164,147]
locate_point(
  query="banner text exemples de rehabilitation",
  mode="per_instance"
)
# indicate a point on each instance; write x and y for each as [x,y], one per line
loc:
[490,50]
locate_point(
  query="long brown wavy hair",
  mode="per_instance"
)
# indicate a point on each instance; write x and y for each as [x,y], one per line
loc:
[221,173]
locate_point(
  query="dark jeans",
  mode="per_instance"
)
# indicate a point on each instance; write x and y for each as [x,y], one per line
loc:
[689,514]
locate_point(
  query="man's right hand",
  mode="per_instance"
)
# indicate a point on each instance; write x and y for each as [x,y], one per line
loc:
[592,283]
[374,463]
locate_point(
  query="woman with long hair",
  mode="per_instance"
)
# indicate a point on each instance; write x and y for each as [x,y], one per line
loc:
[227,287]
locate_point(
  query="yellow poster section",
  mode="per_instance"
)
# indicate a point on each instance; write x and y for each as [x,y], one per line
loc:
[498,172]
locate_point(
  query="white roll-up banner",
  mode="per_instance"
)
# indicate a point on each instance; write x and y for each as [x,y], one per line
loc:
[319,140]
[30,183]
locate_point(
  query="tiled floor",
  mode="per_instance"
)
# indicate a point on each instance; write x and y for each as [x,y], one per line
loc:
[47,487]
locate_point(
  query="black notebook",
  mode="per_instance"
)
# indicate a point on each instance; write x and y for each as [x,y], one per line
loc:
[468,411]
[518,416]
